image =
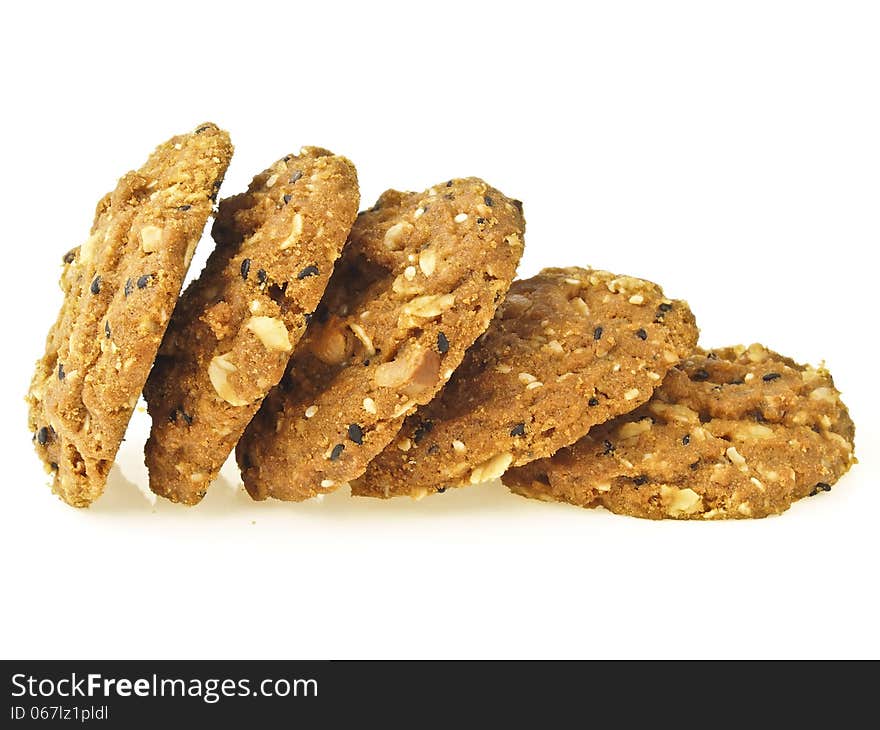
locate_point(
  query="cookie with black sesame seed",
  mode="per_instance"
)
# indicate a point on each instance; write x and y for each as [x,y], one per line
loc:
[418,282]
[731,433]
[119,288]
[568,348]
[235,326]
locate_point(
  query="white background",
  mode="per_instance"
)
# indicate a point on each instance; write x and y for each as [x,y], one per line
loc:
[729,151]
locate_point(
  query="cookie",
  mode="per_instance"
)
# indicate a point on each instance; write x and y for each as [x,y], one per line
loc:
[417,283]
[119,288]
[235,327]
[732,433]
[569,348]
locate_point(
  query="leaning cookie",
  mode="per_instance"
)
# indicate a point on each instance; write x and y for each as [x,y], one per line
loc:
[120,287]
[568,349]
[732,433]
[235,327]
[418,282]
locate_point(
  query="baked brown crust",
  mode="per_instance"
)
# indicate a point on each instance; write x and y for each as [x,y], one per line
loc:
[732,433]
[119,288]
[568,348]
[418,282]
[235,327]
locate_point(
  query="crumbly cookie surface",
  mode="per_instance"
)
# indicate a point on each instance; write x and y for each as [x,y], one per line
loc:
[417,283]
[235,327]
[732,433]
[568,348]
[120,288]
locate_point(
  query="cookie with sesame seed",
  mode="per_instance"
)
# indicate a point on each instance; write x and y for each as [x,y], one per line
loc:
[731,433]
[119,288]
[569,348]
[418,282]
[235,327]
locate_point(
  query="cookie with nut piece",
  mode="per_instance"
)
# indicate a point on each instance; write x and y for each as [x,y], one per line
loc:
[235,327]
[418,282]
[120,287]
[731,433]
[569,348]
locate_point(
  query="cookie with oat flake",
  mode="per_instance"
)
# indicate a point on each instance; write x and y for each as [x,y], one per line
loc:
[235,327]
[732,433]
[417,283]
[120,287]
[569,348]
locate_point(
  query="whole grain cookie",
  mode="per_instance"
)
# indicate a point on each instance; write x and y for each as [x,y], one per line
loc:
[119,288]
[731,433]
[568,348]
[418,282]
[235,327]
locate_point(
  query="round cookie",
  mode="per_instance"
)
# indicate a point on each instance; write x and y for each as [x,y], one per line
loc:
[417,283]
[568,348]
[119,288]
[235,327]
[731,433]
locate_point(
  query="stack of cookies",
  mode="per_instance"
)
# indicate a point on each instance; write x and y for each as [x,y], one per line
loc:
[392,350]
